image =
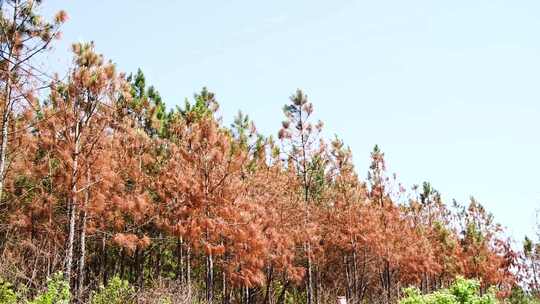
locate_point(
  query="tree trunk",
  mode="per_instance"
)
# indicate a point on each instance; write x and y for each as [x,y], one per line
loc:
[83,239]
[245,292]
[387,279]
[180,260]
[224,287]
[6,116]
[71,240]
[104,261]
[309,283]
[354,277]
[209,278]
[3,148]
[72,205]
[188,270]
[139,266]
[362,288]
[316,283]
[269,277]
[348,281]
[122,263]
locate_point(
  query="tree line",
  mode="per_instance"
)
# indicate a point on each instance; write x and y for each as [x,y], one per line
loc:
[99,179]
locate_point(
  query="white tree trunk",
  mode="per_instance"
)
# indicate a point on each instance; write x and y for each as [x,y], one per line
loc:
[83,238]
[4,147]
[73,202]
[6,116]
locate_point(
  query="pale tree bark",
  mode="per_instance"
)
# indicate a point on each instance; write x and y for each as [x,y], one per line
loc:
[6,115]
[188,270]
[269,279]
[180,259]
[224,287]
[72,201]
[354,277]
[309,286]
[209,278]
[348,280]
[83,238]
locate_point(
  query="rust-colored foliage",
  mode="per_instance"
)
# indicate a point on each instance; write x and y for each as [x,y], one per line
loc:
[108,182]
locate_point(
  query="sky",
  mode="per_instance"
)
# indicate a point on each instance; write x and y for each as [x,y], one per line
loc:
[450,90]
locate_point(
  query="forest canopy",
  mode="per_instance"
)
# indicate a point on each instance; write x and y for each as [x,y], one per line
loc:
[102,184]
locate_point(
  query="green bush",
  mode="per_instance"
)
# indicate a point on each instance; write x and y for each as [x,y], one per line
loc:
[461,292]
[117,291]
[57,292]
[7,294]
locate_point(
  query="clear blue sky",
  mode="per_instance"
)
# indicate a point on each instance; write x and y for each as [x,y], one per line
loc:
[450,90]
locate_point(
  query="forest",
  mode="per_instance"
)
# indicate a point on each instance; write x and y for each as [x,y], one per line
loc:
[109,196]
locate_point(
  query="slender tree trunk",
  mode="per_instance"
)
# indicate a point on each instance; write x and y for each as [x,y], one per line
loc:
[188,270]
[388,281]
[4,147]
[348,280]
[6,116]
[246,294]
[363,283]
[83,238]
[224,287]
[72,205]
[309,283]
[122,262]
[104,261]
[132,261]
[269,278]
[71,239]
[316,284]
[180,260]
[305,184]
[209,278]
[139,266]
[354,277]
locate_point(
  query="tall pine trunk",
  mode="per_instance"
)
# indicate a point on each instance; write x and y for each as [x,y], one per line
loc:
[6,117]
[309,283]
[209,278]
[269,278]
[3,148]
[83,238]
[188,270]
[224,287]
[72,204]
[180,260]
[354,277]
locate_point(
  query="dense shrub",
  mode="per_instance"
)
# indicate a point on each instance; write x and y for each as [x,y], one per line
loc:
[463,291]
[7,293]
[117,291]
[57,292]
